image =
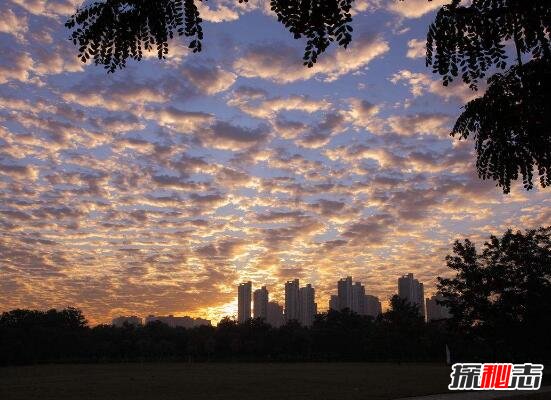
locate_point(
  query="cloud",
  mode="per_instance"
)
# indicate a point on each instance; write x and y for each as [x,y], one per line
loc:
[420,84]
[13,24]
[49,8]
[225,136]
[18,171]
[270,108]
[320,134]
[281,63]
[120,95]
[222,13]
[416,48]
[209,80]
[370,230]
[179,120]
[415,8]
[56,60]
[420,124]
[364,115]
[15,66]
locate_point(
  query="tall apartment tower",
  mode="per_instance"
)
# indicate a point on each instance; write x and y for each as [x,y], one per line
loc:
[244,301]
[334,302]
[358,299]
[260,303]
[307,305]
[411,289]
[292,300]
[372,306]
[344,287]
[275,314]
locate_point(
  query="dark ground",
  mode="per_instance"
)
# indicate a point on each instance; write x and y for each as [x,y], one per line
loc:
[166,381]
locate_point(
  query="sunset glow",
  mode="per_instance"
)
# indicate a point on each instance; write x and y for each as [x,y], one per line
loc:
[157,189]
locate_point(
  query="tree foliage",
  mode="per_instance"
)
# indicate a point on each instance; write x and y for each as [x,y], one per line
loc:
[510,125]
[511,122]
[469,38]
[501,296]
[27,337]
[112,31]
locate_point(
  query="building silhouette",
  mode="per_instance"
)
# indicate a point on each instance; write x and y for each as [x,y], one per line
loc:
[260,303]
[307,305]
[292,300]
[182,322]
[436,311]
[358,298]
[244,301]
[334,302]
[275,314]
[372,306]
[353,297]
[129,320]
[411,289]
[344,290]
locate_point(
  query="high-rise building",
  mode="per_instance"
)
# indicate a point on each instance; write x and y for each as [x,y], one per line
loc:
[307,305]
[275,314]
[358,298]
[130,320]
[353,297]
[437,311]
[244,301]
[411,289]
[260,303]
[372,306]
[292,300]
[334,302]
[344,287]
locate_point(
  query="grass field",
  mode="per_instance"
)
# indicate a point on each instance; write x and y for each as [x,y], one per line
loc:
[182,381]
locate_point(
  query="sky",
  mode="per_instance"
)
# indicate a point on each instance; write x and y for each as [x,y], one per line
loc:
[157,189]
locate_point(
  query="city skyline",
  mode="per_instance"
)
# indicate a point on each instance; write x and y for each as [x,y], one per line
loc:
[300,302]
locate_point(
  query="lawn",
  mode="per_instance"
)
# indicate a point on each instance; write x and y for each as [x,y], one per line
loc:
[222,381]
[213,381]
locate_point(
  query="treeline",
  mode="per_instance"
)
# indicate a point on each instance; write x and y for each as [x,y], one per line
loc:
[63,336]
[499,299]
[399,334]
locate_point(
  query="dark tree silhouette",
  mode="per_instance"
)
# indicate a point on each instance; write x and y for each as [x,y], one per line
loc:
[511,123]
[502,295]
[112,31]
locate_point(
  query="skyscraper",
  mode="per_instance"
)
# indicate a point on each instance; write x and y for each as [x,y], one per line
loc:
[358,298]
[260,303]
[411,289]
[344,288]
[437,311]
[291,300]
[334,302]
[275,314]
[307,305]
[244,301]
[372,306]
[353,297]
